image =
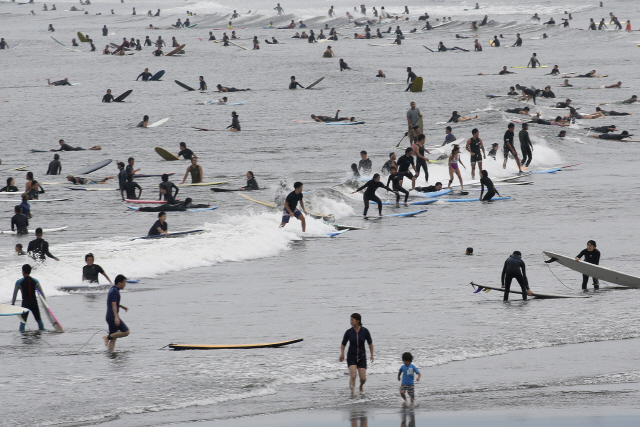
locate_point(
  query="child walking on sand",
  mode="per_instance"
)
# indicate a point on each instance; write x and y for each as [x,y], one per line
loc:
[408,371]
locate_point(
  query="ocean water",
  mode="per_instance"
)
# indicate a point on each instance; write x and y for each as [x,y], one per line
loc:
[247,281]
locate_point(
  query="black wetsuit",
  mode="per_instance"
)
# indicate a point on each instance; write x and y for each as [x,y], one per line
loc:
[492,153]
[514,110]
[370,195]
[294,85]
[252,184]
[410,78]
[602,129]
[20,222]
[78,181]
[510,271]
[395,179]
[6,189]
[503,72]
[356,354]
[615,137]
[508,140]
[474,147]
[614,113]
[365,166]
[38,249]
[344,66]
[28,288]
[203,85]
[525,147]
[212,38]
[54,168]
[592,257]
[235,123]
[429,189]
[386,168]
[421,163]
[170,196]
[67,147]
[90,272]
[61,83]
[153,231]
[454,118]
[105,31]
[130,189]
[518,42]
[530,92]
[491,189]
[403,165]
[107,98]
[172,207]
[546,94]
[496,43]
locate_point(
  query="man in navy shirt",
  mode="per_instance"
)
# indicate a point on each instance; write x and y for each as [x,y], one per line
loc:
[117,328]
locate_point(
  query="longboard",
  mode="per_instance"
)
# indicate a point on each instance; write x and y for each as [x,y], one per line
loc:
[123,96]
[52,317]
[345,123]
[79,188]
[315,83]
[177,234]
[539,295]
[232,346]
[241,47]
[402,215]
[12,310]
[166,154]
[202,184]
[35,200]
[422,202]
[597,271]
[46,230]
[158,123]
[82,38]
[157,76]
[268,204]
[176,50]
[189,88]
[135,208]
[416,86]
[92,168]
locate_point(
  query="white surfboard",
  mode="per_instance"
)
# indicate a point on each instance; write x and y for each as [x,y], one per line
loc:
[44,230]
[518,290]
[158,123]
[12,310]
[596,271]
[52,317]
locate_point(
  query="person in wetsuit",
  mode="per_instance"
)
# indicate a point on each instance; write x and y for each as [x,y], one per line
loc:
[291,204]
[252,184]
[108,97]
[29,287]
[332,119]
[25,208]
[527,93]
[19,221]
[526,147]
[64,82]
[54,166]
[230,89]
[514,268]
[185,153]
[356,336]
[523,111]
[160,226]
[38,249]
[518,42]
[168,187]
[430,188]
[343,65]
[474,147]
[174,207]
[90,271]
[65,147]
[130,188]
[386,167]
[294,84]
[10,187]
[370,192]
[509,147]
[235,122]
[421,159]
[404,162]
[117,328]
[612,113]
[592,256]
[611,136]
[395,178]
[411,76]
[82,181]
[195,170]
[494,150]
[485,181]
[203,84]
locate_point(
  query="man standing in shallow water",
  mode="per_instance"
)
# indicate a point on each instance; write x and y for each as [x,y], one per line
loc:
[117,328]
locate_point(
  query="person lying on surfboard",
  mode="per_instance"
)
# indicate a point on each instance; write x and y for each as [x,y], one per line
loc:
[229,89]
[64,82]
[65,147]
[332,119]
[174,207]
[83,181]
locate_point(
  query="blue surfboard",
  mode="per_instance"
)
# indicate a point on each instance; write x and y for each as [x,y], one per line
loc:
[135,208]
[177,234]
[432,194]
[157,76]
[397,215]
[548,170]
[475,200]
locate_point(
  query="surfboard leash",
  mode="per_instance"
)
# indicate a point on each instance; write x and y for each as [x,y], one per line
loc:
[554,275]
[99,330]
[27,326]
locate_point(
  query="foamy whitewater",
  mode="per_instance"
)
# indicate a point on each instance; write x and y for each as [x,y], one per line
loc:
[244,280]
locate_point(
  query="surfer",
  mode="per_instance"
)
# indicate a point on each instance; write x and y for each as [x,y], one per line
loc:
[454,159]
[129,169]
[592,256]
[33,188]
[612,113]
[279,9]
[29,287]
[370,192]
[185,153]
[130,188]
[455,118]
[195,170]
[290,206]
[547,93]
[106,51]
[168,187]
[631,100]
[230,89]
[117,328]
[404,162]
[356,336]
[533,62]
[19,250]
[505,71]
[514,268]
[485,181]
[157,52]
[449,137]
[332,119]
[90,271]
[64,82]
[525,145]
[524,111]
[381,74]
[411,76]
[294,84]
[10,187]
[474,145]
[364,165]
[421,160]
[512,91]
[477,46]
[565,104]
[122,178]
[144,123]
[343,65]
[82,181]
[494,150]
[25,208]
[159,227]
[413,117]
[527,94]
[108,97]
[38,248]
[3,44]
[395,178]
[235,123]
[19,221]
[616,137]
[203,84]
[252,184]
[386,167]
[430,188]
[174,206]
[509,147]
[555,71]
[518,42]
[54,166]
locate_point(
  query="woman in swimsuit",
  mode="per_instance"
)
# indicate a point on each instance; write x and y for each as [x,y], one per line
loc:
[454,159]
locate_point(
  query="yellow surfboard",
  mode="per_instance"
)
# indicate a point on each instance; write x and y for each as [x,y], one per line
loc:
[82,38]
[268,204]
[166,154]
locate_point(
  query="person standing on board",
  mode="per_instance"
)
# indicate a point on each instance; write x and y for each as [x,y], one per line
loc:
[28,288]
[512,270]
[413,115]
[290,205]
[117,328]
[592,256]
[356,336]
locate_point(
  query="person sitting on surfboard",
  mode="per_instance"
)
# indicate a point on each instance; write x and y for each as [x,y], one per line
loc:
[29,287]
[512,270]
[235,123]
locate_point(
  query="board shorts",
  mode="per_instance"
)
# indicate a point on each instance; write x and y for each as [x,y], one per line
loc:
[409,389]
[113,328]
[407,174]
[507,152]
[286,216]
[361,364]
[475,158]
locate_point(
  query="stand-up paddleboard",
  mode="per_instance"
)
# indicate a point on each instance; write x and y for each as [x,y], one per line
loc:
[176,50]
[268,204]
[315,83]
[123,96]
[12,310]
[202,184]
[148,202]
[94,188]
[518,290]
[597,271]
[52,317]
[345,123]
[231,346]
[45,230]
[416,86]
[135,208]
[397,215]
[158,123]
[92,168]
[475,200]
[157,76]
[189,88]
[177,234]
[82,38]
[166,154]
[35,200]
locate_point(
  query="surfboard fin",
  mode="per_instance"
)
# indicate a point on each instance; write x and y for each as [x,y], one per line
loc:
[549,261]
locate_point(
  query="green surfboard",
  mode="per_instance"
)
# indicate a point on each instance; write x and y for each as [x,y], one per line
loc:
[416,86]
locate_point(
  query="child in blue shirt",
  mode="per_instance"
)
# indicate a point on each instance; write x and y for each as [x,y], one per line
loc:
[407,371]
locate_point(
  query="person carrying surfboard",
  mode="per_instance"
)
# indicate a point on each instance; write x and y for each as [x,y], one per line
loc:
[514,268]
[117,328]
[28,287]
[592,256]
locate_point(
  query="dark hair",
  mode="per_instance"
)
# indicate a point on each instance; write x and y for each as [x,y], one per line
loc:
[448,128]
[188,201]
[517,253]
[407,357]
[558,118]
[392,154]
[18,245]
[438,183]
[121,164]
[56,156]
[469,250]
[485,173]
[17,209]
[525,125]
[357,316]
[598,108]
[592,242]
[29,175]
[293,77]
[495,144]
[9,182]
[38,231]
[363,152]
[511,125]
[146,118]
[421,137]
[26,269]
[165,177]
[120,278]
[251,173]
[474,130]
[354,167]
[297,184]
[376,175]
[408,150]
[161,213]
[89,255]
[526,109]
[391,168]
[130,158]
[183,144]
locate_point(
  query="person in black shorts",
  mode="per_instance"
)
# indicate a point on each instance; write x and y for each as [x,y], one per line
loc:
[485,181]
[508,147]
[370,193]
[356,336]
[474,145]
[117,328]
[404,162]
[290,205]
[396,179]
[90,271]
[160,226]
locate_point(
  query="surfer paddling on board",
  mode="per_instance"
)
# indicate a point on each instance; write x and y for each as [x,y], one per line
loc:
[64,82]
[230,89]
[370,193]
[290,205]
[117,328]
[195,170]
[65,147]
[333,119]
[38,248]
[90,271]
[356,336]
[514,268]
[28,288]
